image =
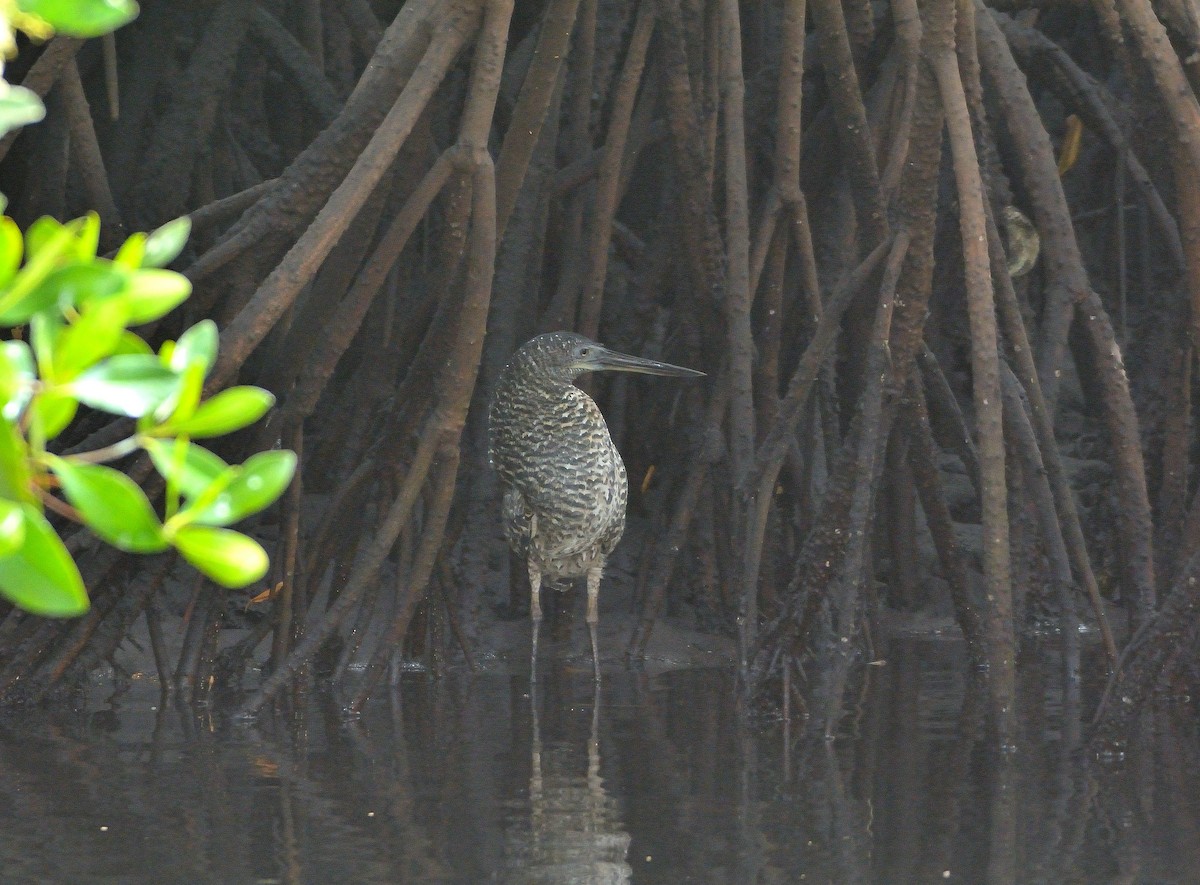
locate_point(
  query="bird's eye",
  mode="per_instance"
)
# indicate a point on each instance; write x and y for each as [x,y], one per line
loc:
[585,351]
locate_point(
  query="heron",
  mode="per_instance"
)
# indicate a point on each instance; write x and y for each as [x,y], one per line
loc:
[564,483]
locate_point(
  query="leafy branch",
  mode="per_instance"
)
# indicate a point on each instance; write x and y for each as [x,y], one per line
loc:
[72,312]
[77,310]
[41,20]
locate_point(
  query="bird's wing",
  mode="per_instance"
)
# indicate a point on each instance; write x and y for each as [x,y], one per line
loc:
[519,521]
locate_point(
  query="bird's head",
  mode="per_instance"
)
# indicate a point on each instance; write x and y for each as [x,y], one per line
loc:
[564,356]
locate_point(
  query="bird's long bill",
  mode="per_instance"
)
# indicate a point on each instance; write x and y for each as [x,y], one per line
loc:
[611,360]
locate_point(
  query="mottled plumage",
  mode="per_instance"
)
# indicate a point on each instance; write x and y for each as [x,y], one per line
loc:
[565,487]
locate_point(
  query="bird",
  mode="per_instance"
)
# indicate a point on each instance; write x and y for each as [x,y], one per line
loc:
[564,484]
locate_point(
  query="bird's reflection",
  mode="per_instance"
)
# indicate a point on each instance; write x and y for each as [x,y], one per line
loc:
[573,834]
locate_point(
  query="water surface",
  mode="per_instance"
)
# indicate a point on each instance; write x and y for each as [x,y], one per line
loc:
[656,780]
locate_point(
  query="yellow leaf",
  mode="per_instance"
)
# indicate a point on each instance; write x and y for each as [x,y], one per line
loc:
[1069,152]
[267,595]
[647,478]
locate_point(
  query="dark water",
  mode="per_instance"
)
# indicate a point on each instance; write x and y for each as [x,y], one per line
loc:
[456,781]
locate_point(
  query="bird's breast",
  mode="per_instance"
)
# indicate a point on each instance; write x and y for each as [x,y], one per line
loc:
[560,467]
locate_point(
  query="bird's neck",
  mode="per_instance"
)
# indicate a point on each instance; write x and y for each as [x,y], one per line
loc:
[551,390]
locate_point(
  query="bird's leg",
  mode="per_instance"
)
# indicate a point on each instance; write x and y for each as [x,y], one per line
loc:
[593,613]
[535,615]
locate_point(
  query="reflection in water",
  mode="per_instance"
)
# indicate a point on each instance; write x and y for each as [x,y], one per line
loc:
[573,835]
[471,780]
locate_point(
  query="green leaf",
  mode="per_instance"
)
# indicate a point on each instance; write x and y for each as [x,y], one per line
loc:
[226,412]
[17,375]
[19,107]
[197,344]
[90,338]
[15,475]
[44,329]
[41,577]
[259,482]
[131,253]
[164,245]
[87,237]
[11,248]
[44,231]
[18,353]
[65,287]
[154,293]
[12,527]
[52,243]
[20,312]
[82,18]
[112,505]
[191,356]
[80,283]
[131,342]
[130,384]
[198,470]
[182,404]
[53,410]
[228,557]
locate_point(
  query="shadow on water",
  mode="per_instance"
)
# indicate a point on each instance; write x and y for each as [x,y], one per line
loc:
[653,780]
